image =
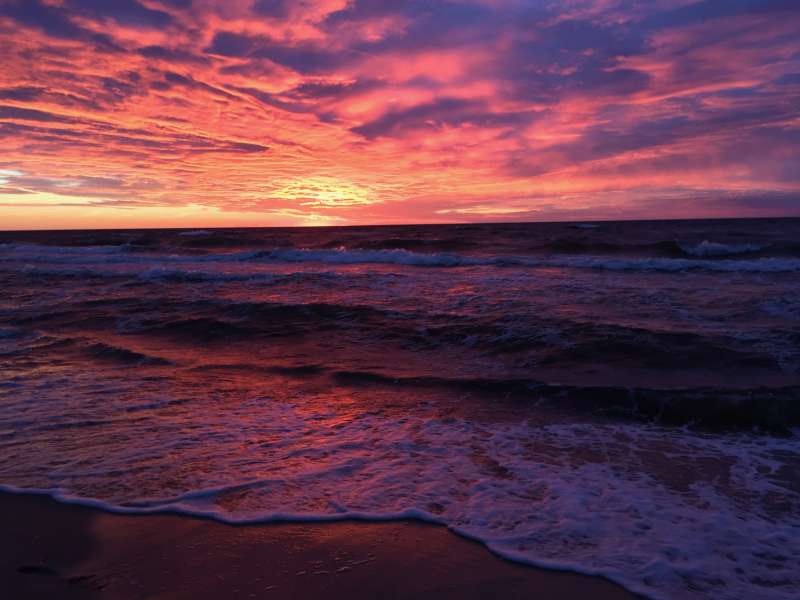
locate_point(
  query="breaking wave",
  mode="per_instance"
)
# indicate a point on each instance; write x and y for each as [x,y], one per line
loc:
[706,248]
[406,257]
[770,408]
[707,256]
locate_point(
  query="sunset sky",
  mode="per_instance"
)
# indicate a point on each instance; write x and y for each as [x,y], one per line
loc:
[131,113]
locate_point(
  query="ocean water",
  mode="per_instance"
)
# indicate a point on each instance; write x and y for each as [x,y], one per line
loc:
[620,399]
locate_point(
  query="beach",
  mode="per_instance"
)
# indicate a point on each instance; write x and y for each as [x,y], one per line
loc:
[56,550]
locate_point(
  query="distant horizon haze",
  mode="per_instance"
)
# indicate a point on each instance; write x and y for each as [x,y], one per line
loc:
[580,221]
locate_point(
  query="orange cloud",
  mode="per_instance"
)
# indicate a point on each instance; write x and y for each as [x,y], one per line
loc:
[260,112]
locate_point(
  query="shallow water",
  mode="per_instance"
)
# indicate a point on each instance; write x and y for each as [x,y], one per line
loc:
[619,399]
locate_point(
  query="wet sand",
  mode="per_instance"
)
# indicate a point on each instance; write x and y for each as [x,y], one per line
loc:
[54,550]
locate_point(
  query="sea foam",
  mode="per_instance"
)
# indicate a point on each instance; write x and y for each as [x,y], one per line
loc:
[706,248]
[406,257]
[606,500]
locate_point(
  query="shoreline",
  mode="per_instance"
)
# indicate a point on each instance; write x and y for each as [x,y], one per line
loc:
[73,551]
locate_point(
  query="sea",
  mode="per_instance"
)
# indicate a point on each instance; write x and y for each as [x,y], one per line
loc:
[620,399]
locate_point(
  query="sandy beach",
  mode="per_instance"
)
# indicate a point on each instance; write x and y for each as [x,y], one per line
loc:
[54,550]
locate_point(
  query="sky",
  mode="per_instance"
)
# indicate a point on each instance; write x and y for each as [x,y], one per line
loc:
[186,113]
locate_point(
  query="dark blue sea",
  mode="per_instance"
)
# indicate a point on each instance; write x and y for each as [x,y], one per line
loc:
[614,398]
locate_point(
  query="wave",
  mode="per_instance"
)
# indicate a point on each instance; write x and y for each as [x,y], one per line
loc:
[546,344]
[251,320]
[117,253]
[417,244]
[773,408]
[53,250]
[344,256]
[707,249]
[195,276]
[10,334]
[117,354]
[408,258]
[99,351]
[585,226]
[176,274]
[662,249]
[192,328]
[554,342]
[159,273]
[708,257]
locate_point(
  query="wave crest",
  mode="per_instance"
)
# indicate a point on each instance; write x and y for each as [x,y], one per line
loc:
[711,249]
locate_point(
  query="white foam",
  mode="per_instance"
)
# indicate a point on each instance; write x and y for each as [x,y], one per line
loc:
[706,248]
[667,513]
[758,265]
[405,257]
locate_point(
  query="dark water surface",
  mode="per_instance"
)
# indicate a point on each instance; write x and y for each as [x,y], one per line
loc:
[616,398]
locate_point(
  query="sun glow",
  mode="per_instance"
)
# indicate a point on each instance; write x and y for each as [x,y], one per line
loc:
[325,192]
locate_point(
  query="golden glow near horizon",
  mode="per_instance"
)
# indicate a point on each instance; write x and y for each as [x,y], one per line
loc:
[145,113]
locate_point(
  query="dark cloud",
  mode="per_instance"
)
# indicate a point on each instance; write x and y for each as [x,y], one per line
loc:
[112,140]
[246,147]
[423,16]
[781,202]
[174,55]
[250,68]
[790,79]
[21,93]
[429,25]
[757,135]
[124,12]
[56,22]
[706,10]
[571,57]
[177,3]
[303,58]
[227,43]
[117,89]
[103,91]
[52,20]
[319,90]
[277,9]
[274,100]
[423,25]
[30,114]
[172,79]
[451,112]
[86,186]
